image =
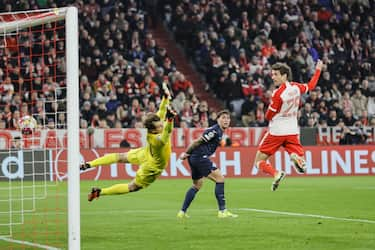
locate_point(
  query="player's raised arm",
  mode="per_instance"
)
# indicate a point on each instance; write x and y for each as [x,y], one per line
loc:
[168,125]
[164,102]
[314,80]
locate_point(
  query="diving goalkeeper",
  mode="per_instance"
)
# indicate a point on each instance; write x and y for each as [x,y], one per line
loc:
[151,159]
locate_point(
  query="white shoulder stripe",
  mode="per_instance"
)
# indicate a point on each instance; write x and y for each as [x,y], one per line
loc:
[272,109]
[204,139]
[307,88]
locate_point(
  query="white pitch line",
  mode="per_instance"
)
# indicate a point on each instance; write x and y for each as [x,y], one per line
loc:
[28,243]
[168,211]
[306,215]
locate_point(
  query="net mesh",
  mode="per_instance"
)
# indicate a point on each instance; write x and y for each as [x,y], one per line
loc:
[32,73]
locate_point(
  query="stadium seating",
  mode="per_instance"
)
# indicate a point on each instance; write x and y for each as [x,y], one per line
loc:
[232,43]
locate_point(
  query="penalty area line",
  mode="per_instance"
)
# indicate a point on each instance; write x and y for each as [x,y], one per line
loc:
[27,243]
[305,215]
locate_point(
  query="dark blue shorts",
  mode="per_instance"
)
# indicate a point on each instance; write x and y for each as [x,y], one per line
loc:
[200,166]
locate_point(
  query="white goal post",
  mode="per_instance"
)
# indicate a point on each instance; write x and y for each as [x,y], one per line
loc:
[27,19]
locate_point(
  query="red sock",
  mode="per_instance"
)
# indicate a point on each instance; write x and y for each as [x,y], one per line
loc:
[267,168]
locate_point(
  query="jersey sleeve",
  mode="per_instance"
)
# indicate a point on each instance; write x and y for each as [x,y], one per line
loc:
[314,80]
[275,105]
[303,88]
[163,108]
[276,102]
[167,131]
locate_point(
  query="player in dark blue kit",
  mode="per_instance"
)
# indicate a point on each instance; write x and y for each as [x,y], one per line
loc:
[201,166]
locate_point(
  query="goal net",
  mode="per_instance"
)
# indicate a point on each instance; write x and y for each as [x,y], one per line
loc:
[39,193]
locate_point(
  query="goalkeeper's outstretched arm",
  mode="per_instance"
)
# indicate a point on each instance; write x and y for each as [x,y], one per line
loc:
[168,125]
[164,102]
[163,108]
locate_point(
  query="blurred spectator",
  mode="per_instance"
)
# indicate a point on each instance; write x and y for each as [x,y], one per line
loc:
[332,120]
[371,106]
[359,102]
[260,115]
[247,112]
[181,84]
[16,142]
[186,113]
[348,119]
[353,135]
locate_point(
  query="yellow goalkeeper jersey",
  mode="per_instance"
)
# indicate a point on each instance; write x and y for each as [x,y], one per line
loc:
[158,146]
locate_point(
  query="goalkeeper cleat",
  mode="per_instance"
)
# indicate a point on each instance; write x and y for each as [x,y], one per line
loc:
[95,193]
[182,215]
[278,177]
[226,214]
[298,162]
[84,166]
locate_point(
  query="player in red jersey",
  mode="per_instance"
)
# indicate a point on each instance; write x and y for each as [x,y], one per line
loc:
[283,123]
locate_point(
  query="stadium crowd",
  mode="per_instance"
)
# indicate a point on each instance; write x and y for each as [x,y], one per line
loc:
[121,70]
[233,43]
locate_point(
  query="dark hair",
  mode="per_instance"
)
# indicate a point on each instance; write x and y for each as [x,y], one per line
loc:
[284,69]
[150,119]
[223,112]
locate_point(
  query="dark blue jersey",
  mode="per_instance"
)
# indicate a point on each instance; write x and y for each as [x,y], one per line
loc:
[212,138]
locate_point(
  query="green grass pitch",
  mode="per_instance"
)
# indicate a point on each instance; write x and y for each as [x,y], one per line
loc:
[147,219]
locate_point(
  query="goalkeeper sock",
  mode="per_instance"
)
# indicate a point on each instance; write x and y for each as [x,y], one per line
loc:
[115,189]
[189,197]
[104,160]
[219,193]
[267,168]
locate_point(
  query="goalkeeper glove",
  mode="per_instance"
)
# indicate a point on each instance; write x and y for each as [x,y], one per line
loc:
[166,92]
[170,113]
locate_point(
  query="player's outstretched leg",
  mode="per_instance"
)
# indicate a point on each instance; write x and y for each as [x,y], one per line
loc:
[104,160]
[298,162]
[94,194]
[269,169]
[116,189]
[278,178]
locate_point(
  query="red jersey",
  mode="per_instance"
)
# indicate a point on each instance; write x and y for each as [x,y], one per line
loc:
[285,102]
[283,110]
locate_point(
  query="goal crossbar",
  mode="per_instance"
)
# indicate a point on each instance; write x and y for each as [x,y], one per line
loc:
[10,22]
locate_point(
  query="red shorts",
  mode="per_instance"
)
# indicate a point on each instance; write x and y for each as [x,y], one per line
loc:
[271,143]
